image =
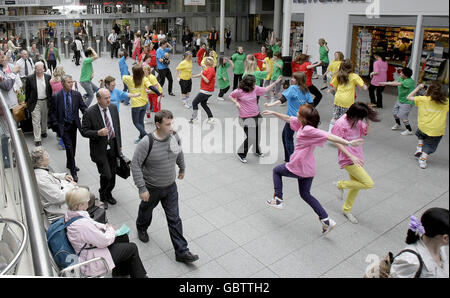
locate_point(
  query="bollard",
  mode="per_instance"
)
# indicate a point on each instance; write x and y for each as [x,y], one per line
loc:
[66,47]
[99,53]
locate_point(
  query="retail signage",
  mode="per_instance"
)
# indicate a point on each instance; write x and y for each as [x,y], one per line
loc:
[194,2]
[10,2]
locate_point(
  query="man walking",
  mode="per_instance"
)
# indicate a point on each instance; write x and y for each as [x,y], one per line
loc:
[112,39]
[38,92]
[129,37]
[101,125]
[65,120]
[154,174]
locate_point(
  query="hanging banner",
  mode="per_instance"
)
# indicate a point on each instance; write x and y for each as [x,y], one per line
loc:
[194,2]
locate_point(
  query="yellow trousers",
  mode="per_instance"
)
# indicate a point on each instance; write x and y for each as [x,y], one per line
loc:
[359,179]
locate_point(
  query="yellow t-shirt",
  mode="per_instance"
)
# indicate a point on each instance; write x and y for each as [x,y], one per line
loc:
[270,70]
[142,100]
[214,57]
[334,67]
[345,94]
[154,81]
[432,116]
[185,69]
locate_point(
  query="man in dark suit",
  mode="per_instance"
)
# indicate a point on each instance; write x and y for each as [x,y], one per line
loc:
[65,119]
[101,125]
[129,37]
[38,94]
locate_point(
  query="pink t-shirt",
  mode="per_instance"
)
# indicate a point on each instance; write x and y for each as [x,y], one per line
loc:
[248,102]
[342,128]
[302,162]
[381,67]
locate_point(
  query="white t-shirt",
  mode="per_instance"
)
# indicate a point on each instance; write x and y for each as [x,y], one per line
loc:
[40,84]
[161,37]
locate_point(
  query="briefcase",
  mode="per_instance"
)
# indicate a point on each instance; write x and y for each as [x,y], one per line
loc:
[123,167]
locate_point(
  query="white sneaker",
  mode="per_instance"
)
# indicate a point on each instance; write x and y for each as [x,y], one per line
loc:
[220,98]
[211,121]
[259,154]
[422,164]
[187,106]
[275,202]
[242,159]
[406,133]
[192,121]
[350,217]
[341,191]
[327,225]
[396,127]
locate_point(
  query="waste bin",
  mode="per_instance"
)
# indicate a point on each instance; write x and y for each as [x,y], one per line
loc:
[66,42]
[287,67]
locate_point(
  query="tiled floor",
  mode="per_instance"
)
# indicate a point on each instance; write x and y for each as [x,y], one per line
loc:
[222,204]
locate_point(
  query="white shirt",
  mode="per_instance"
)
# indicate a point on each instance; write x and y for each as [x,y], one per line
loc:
[40,84]
[161,37]
[53,188]
[199,41]
[21,64]
[260,28]
[108,114]
[112,37]
[407,264]
[79,44]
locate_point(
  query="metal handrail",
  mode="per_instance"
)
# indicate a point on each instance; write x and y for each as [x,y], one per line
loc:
[22,247]
[30,197]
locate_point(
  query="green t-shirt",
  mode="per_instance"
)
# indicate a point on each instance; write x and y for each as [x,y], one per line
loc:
[407,86]
[277,71]
[86,70]
[221,74]
[259,75]
[276,48]
[238,60]
[324,55]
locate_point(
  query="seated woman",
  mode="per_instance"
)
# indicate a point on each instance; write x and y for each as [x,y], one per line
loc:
[91,239]
[53,186]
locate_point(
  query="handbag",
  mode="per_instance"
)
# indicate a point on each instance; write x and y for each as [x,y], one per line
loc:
[19,112]
[123,167]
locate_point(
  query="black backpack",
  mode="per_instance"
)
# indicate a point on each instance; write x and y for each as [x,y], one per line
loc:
[150,144]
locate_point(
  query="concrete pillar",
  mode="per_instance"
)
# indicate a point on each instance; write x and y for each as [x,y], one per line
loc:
[222,27]
[277,18]
[27,34]
[104,38]
[287,16]
[416,52]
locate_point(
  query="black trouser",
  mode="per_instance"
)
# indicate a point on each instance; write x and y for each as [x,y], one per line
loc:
[114,50]
[155,46]
[317,94]
[251,130]
[168,196]
[70,141]
[379,99]
[212,44]
[77,57]
[228,43]
[162,75]
[125,256]
[129,48]
[237,78]
[223,91]
[51,65]
[107,169]
[202,99]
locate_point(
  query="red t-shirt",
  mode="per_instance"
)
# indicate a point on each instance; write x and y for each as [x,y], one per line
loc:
[153,59]
[303,68]
[200,55]
[260,59]
[210,74]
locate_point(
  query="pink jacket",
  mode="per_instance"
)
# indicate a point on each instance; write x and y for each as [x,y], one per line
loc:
[86,230]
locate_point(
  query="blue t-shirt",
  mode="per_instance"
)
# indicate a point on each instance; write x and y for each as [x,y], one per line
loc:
[296,98]
[117,96]
[160,55]
[123,67]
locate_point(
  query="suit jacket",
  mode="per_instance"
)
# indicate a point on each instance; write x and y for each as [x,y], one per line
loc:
[129,37]
[58,108]
[92,123]
[31,95]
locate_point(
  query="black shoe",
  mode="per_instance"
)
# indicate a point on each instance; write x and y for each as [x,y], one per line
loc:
[105,203]
[143,236]
[171,94]
[44,135]
[75,177]
[111,200]
[77,169]
[187,258]
[37,144]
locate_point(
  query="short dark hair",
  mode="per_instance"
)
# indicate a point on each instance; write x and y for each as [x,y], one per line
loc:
[88,52]
[163,114]
[407,72]
[248,83]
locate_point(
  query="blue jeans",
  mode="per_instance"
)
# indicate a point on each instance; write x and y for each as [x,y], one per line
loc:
[288,142]
[137,114]
[304,186]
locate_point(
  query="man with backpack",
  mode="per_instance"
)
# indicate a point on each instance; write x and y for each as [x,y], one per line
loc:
[154,174]
[76,47]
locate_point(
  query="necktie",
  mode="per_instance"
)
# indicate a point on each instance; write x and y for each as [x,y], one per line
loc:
[109,126]
[26,67]
[68,109]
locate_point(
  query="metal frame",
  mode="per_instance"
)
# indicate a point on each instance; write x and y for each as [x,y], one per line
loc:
[22,247]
